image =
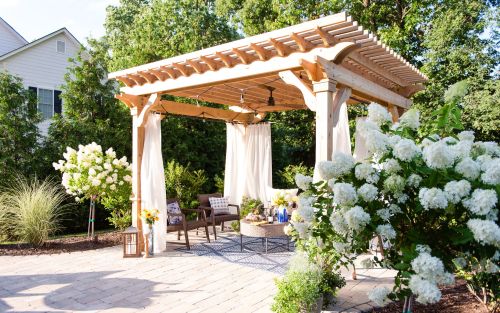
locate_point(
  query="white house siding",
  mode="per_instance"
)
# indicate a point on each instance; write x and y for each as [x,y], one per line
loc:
[8,40]
[42,66]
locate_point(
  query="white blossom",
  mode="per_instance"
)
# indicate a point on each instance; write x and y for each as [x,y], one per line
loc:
[338,223]
[485,232]
[431,268]
[466,135]
[340,247]
[302,229]
[365,171]
[394,183]
[340,165]
[356,218]
[96,182]
[379,295]
[427,292]
[438,155]
[386,231]
[481,201]
[456,190]
[468,168]
[433,198]
[377,142]
[462,149]
[410,119]
[378,114]
[414,180]
[391,166]
[491,175]
[394,140]
[484,161]
[344,194]
[303,181]
[368,192]
[406,150]
[386,213]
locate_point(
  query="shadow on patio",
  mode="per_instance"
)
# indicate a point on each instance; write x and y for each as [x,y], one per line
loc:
[86,291]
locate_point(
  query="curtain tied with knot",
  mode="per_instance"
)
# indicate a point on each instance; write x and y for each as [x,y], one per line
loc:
[153,194]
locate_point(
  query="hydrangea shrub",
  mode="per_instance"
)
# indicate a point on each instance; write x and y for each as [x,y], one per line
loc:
[90,172]
[430,201]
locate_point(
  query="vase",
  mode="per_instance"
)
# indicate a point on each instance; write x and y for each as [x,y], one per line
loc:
[282,214]
[151,240]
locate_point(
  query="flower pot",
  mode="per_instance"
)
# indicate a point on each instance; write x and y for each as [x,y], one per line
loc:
[316,307]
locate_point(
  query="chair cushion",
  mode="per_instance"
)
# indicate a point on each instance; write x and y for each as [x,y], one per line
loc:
[203,198]
[219,205]
[174,208]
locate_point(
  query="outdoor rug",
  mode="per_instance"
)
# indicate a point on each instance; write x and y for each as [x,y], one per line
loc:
[227,248]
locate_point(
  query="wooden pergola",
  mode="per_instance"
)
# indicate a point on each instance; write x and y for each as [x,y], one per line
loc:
[315,65]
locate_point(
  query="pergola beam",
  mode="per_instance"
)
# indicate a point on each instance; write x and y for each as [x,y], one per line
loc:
[177,108]
[357,82]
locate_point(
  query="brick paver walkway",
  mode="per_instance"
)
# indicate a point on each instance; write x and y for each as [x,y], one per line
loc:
[102,281]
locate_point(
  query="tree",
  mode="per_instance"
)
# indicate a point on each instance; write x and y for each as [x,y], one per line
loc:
[445,38]
[91,113]
[18,127]
[145,31]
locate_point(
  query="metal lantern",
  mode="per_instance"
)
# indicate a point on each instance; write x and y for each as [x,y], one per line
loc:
[131,243]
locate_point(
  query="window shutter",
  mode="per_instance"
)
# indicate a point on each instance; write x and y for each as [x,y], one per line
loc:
[33,91]
[57,102]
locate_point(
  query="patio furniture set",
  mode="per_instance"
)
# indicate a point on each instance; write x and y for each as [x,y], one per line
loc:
[207,215]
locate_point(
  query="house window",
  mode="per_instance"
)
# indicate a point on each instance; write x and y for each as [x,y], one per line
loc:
[49,101]
[61,46]
[46,102]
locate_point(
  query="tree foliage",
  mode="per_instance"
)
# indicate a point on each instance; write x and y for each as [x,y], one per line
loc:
[18,127]
[91,113]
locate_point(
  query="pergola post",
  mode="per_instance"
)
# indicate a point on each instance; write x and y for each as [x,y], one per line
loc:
[324,91]
[137,150]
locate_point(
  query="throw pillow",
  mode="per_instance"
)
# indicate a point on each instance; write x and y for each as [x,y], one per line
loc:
[174,209]
[219,205]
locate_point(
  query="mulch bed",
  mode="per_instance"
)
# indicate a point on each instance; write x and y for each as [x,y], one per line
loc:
[60,245]
[455,299]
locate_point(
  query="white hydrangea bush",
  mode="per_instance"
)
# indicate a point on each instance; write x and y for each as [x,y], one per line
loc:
[91,172]
[430,201]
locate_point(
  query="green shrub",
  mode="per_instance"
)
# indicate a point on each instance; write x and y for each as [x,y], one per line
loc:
[303,284]
[33,209]
[120,210]
[183,183]
[219,183]
[288,174]
[297,290]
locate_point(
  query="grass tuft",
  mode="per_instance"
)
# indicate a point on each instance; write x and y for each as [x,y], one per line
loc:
[31,210]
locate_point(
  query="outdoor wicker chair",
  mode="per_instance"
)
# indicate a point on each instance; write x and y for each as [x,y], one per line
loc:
[186,225]
[213,219]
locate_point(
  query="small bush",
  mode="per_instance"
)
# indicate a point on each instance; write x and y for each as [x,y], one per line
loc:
[32,210]
[183,183]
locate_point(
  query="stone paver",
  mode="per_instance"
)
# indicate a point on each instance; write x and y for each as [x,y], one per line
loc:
[174,282]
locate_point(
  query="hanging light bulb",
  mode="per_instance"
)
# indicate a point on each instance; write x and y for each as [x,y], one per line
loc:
[242,96]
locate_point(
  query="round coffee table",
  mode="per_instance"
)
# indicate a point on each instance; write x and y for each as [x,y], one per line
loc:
[264,231]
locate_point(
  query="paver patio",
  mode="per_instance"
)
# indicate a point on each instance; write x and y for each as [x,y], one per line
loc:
[175,281]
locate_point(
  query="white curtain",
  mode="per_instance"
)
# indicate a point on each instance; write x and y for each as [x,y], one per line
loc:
[248,162]
[153,192]
[360,151]
[340,134]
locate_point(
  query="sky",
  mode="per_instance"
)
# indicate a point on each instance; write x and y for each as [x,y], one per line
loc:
[36,18]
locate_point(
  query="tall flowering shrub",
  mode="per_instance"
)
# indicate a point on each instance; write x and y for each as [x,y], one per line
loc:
[433,202]
[90,173]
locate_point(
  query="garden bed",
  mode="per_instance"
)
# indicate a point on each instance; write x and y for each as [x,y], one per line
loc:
[455,299]
[64,244]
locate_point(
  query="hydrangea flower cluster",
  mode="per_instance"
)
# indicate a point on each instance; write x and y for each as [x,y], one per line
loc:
[90,172]
[408,193]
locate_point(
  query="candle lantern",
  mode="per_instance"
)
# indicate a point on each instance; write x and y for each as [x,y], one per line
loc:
[131,243]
